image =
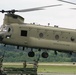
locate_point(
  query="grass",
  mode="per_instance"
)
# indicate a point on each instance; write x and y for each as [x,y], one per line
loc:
[47,68]
[57,69]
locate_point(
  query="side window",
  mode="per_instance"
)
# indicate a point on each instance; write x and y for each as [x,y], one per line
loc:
[9,29]
[23,32]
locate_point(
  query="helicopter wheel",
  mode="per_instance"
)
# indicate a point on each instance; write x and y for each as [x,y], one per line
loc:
[45,55]
[31,54]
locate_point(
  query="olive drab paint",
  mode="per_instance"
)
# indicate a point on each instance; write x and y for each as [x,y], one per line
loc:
[15,32]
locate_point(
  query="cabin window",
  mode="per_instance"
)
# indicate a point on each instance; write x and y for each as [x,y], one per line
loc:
[72,39]
[9,29]
[23,33]
[41,35]
[56,37]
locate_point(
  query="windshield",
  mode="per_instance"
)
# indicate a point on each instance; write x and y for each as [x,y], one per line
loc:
[5,28]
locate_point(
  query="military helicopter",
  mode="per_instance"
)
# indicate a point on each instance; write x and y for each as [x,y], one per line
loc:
[30,35]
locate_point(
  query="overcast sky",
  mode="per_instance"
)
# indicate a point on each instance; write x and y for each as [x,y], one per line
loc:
[62,16]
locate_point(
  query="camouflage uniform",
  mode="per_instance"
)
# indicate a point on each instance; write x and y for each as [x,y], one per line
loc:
[35,64]
[24,64]
[1,60]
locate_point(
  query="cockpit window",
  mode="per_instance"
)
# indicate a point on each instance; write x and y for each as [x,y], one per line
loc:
[9,29]
[5,28]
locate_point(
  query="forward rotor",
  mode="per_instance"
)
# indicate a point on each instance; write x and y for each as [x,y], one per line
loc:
[28,10]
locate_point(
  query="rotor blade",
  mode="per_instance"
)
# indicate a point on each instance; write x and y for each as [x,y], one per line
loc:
[37,8]
[73,8]
[67,2]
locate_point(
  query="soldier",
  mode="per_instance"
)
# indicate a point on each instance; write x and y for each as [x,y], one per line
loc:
[24,64]
[1,60]
[35,64]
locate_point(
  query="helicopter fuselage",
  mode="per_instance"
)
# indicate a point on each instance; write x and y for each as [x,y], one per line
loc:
[43,37]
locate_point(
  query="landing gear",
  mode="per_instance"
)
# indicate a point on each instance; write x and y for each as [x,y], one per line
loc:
[55,52]
[31,54]
[45,55]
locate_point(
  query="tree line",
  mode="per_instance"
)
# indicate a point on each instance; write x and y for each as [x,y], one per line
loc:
[12,54]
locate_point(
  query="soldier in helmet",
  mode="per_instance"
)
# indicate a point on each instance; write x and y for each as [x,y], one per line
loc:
[24,64]
[35,64]
[1,61]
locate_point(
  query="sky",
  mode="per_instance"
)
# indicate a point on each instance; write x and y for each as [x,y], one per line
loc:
[61,16]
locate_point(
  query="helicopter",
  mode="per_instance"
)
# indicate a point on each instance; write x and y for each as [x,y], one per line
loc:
[30,35]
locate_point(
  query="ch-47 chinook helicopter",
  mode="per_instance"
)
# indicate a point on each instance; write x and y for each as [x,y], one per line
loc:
[15,32]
